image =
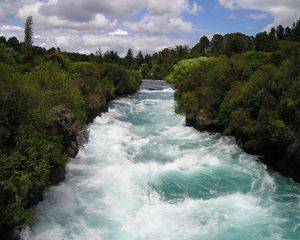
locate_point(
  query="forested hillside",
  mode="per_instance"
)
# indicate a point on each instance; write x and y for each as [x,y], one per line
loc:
[248,88]
[46,101]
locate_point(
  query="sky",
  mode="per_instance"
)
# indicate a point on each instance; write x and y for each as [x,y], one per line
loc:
[149,25]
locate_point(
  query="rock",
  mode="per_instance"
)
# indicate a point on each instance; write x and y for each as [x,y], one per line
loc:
[203,122]
[73,130]
[290,164]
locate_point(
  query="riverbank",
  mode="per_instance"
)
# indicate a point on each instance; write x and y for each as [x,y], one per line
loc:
[44,116]
[287,164]
[253,96]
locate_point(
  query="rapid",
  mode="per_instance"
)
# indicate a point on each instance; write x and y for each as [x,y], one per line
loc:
[145,175]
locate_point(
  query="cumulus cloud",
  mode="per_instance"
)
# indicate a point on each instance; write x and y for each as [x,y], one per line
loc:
[119,32]
[122,43]
[284,12]
[87,25]
[85,10]
[11,30]
[173,7]
[160,25]
[165,17]
[99,21]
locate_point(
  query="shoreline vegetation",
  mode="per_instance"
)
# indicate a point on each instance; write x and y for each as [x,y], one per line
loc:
[47,99]
[243,86]
[247,91]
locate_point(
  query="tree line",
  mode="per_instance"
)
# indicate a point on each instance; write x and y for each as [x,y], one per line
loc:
[249,92]
[46,101]
[159,64]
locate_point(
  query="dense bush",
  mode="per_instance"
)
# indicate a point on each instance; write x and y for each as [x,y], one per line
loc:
[45,106]
[253,96]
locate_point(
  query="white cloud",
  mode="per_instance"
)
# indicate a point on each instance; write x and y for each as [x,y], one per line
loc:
[195,8]
[87,25]
[160,25]
[164,17]
[119,32]
[122,43]
[84,10]
[11,28]
[258,16]
[99,21]
[285,12]
[173,7]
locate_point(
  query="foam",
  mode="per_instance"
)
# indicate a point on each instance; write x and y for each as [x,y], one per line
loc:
[166,90]
[107,193]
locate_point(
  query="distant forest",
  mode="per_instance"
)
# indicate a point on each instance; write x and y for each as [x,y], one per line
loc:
[159,64]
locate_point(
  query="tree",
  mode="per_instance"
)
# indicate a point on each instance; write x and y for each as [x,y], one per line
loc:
[201,45]
[272,33]
[287,32]
[129,59]
[236,43]
[2,39]
[14,43]
[263,42]
[140,58]
[111,57]
[28,39]
[217,45]
[204,43]
[181,51]
[99,55]
[296,30]
[280,32]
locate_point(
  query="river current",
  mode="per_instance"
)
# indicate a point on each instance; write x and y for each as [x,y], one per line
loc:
[144,175]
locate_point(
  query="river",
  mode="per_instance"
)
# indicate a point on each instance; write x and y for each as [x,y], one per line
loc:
[145,175]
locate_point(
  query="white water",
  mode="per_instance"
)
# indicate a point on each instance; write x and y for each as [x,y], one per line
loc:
[144,175]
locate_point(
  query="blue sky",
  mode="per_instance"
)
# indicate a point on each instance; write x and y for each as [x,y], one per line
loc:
[149,25]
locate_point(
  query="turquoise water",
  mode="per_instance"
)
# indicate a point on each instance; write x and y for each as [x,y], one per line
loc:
[144,175]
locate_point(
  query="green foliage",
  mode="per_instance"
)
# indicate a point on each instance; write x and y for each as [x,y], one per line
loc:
[253,95]
[202,45]
[28,39]
[46,101]
[8,55]
[263,42]
[217,44]
[236,43]
[14,43]
[42,124]
[184,68]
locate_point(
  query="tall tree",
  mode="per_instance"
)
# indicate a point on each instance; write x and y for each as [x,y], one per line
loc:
[129,59]
[99,55]
[140,58]
[280,32]
[201,45]
[287,32]
[217,45]
[296,30]
[28,39]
